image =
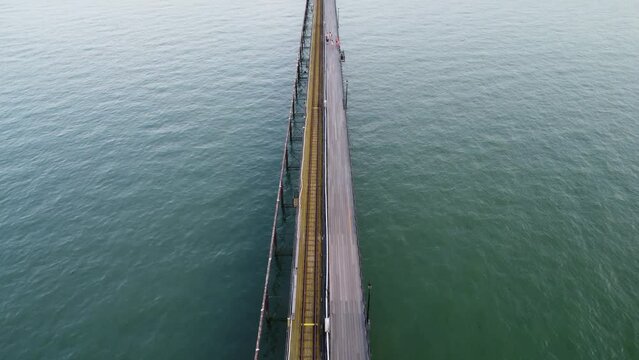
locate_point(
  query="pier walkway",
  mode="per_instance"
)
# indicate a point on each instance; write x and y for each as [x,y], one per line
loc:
[347,333]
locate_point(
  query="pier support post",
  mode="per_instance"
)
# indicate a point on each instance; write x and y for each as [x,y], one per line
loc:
[281,199]
[290,135]
[346,96]
[368,304]
[293,103]
[275,241]
[266,307]
[286,152]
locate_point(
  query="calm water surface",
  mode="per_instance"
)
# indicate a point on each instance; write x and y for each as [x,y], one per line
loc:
[495,150]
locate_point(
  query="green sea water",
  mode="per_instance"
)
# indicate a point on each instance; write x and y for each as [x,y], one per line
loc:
[495,150]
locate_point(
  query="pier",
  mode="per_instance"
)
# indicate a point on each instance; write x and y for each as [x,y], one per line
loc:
[326,314]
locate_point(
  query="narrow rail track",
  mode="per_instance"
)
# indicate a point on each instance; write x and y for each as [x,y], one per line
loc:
[306,323]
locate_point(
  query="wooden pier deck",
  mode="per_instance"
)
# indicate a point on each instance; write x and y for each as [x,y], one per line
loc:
[348,333]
